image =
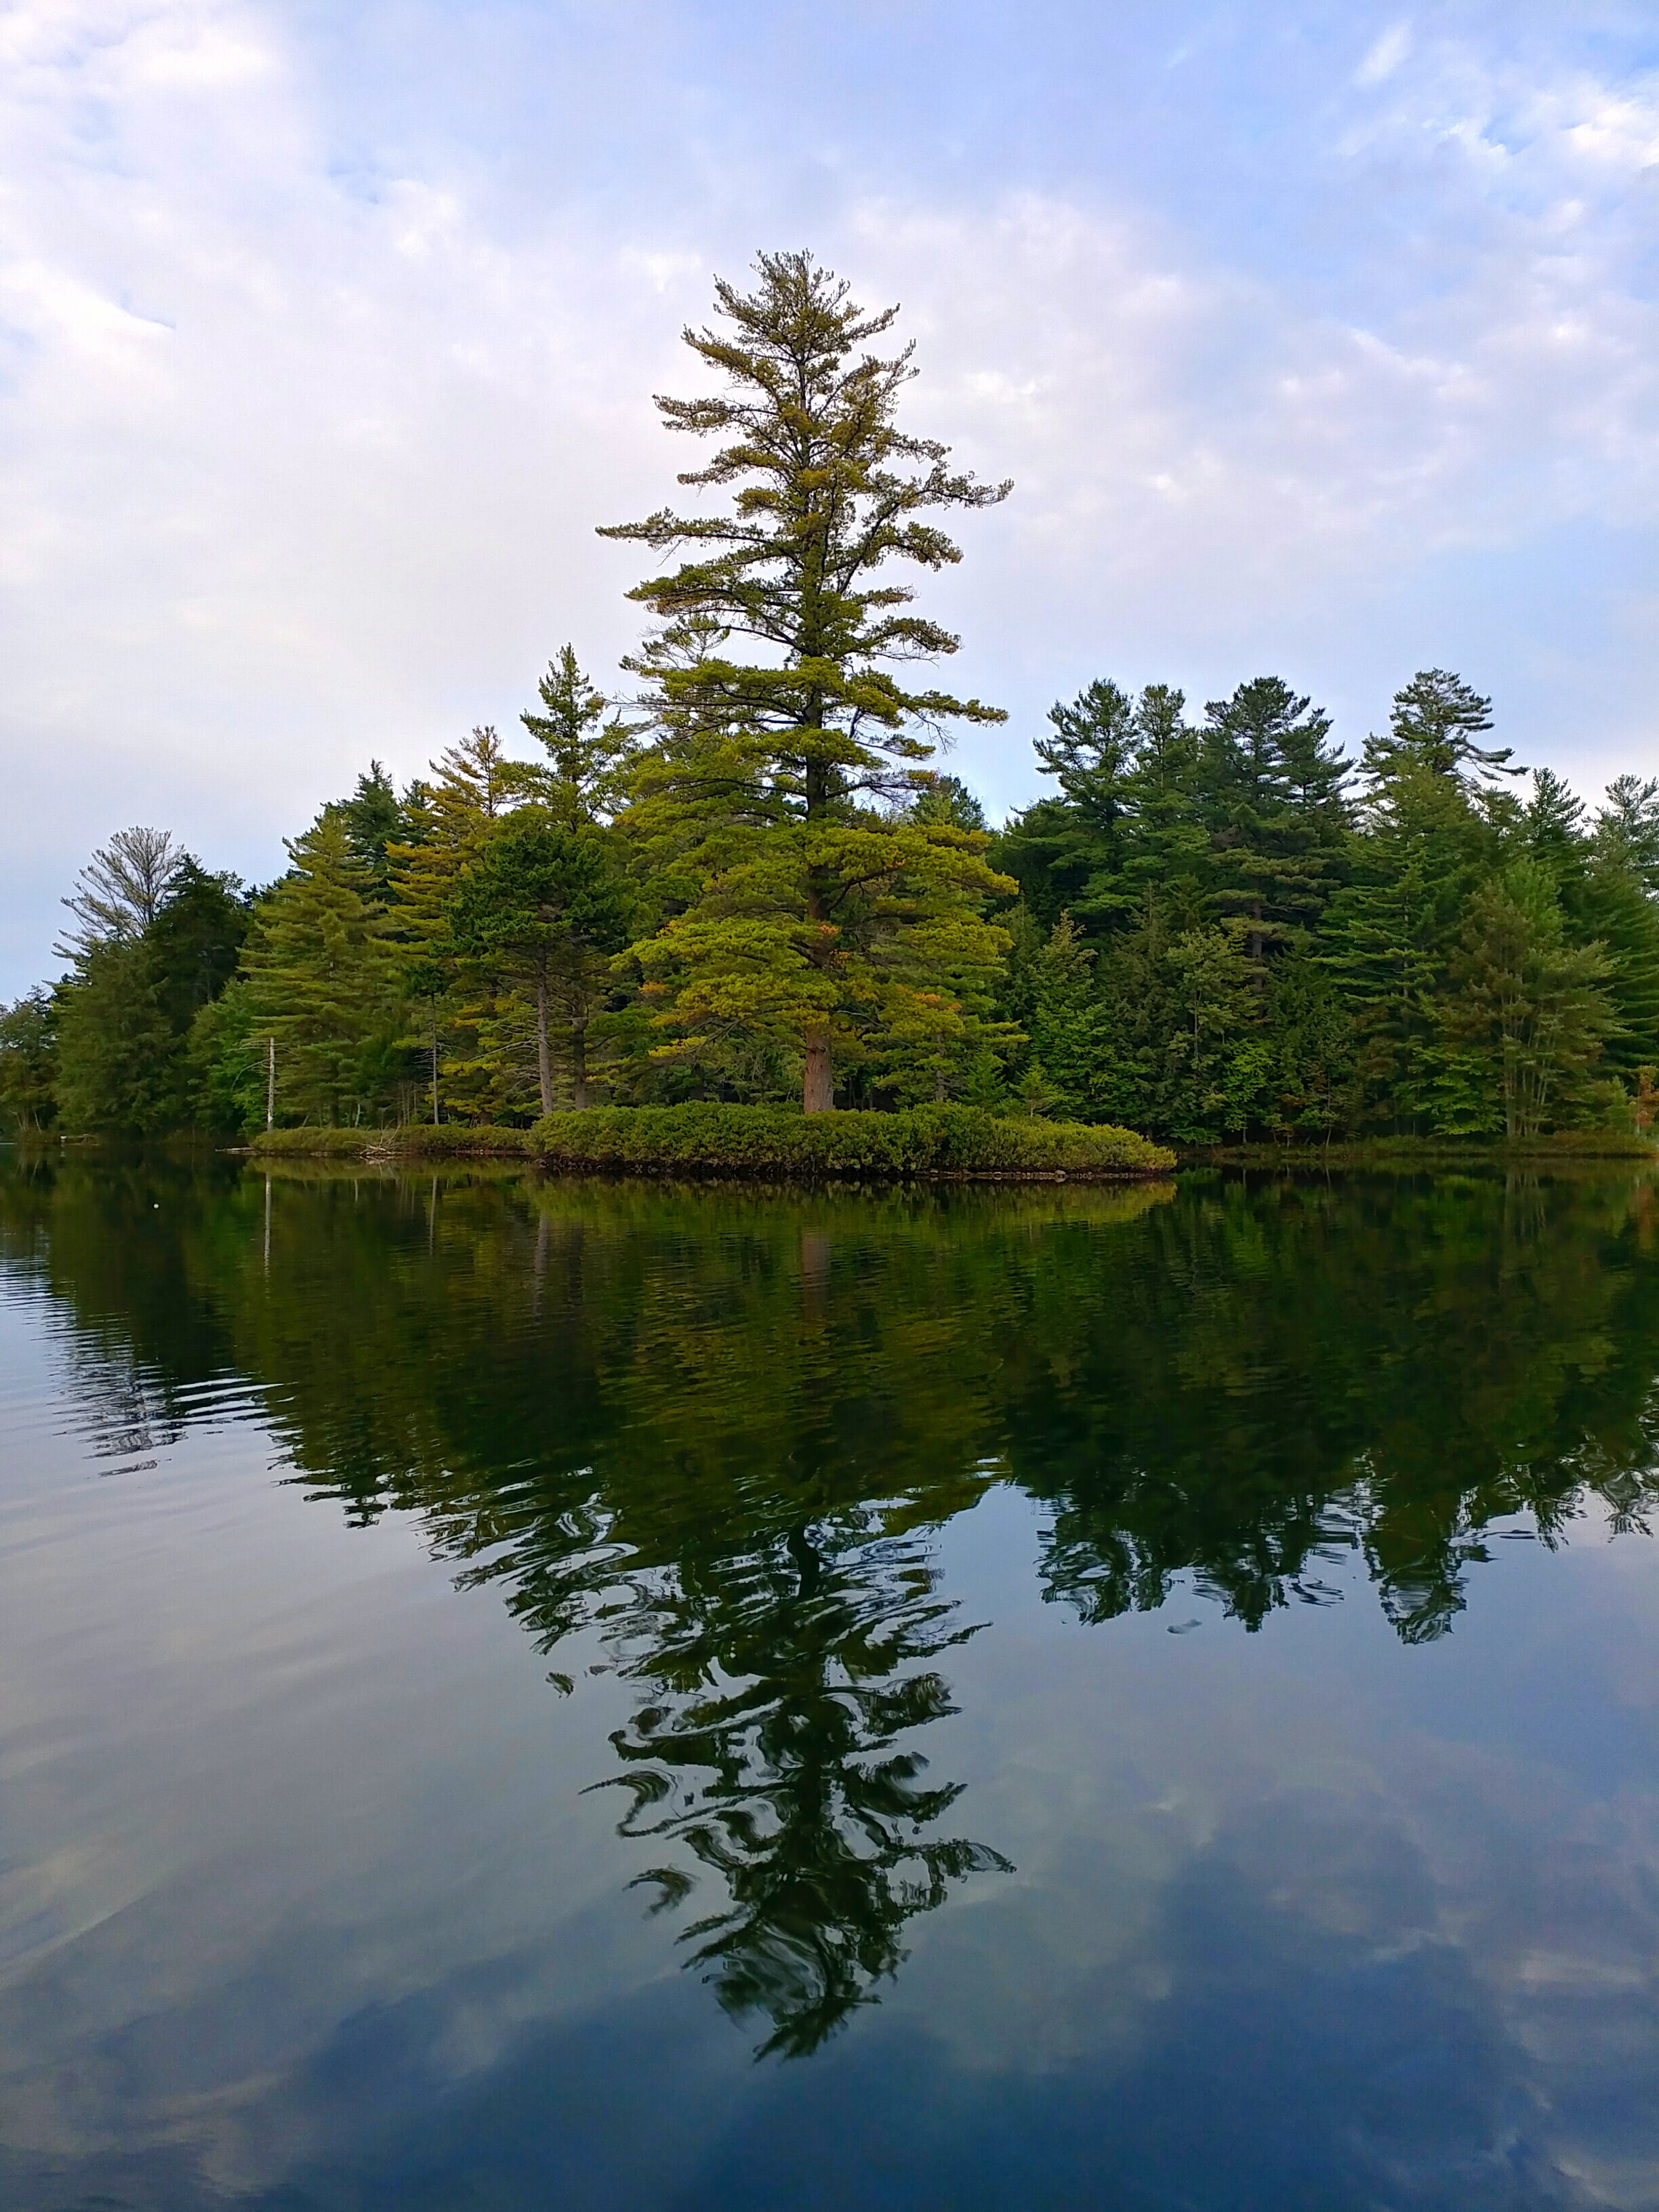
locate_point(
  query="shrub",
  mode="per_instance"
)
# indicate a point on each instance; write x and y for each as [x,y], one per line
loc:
[767,1141]
[764,1142]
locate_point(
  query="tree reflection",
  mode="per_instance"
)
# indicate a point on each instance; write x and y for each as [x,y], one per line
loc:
[782,1685]
[716,1429]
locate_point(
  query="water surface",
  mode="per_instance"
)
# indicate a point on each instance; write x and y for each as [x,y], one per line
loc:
[522,1694]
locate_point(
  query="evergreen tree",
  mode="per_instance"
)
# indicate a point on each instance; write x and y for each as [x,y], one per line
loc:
[1171,842]
[1628,828]
[588,754]
[458,1023]
[124,1015]
[546,903]
[321,978]
[775,780]
[197,936]
[120,1058]
[1278,821]
[1434,724]
[28,1062]
[119,891]
[1390,935]
[1092,755]
[947,799]
[227,1063]
[375,820]
[1538,1006]
[1065,1021]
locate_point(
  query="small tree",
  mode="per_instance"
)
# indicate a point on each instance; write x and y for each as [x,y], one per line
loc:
[544,905]
[588,751]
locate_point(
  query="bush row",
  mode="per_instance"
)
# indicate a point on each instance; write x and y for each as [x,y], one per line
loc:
[766,1141]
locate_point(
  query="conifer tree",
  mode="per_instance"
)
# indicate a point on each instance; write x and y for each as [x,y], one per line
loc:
[546,904]
[1627,827]
[321,975]
[472,785]
[123,1017]
[1275,790]
[1536,1003]
[817,912]
[588,751]
[28,1062]
[375,820]
[1435,721]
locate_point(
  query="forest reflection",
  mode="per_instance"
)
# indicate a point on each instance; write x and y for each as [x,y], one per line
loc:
[712,1433]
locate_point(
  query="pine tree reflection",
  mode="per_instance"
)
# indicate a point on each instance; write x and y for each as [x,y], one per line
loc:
[785,1683]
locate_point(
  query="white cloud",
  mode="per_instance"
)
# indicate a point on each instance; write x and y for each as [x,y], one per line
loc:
[298,467]
[1385,56]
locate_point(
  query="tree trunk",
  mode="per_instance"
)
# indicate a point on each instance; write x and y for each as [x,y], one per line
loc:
[817,1090]
[543,1049]
[579,1064]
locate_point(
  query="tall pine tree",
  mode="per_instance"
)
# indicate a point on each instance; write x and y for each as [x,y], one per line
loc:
[819,913]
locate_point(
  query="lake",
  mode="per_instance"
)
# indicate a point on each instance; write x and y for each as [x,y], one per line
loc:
[526,1694]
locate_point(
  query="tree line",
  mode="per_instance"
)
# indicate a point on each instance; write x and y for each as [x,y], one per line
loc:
[749,879]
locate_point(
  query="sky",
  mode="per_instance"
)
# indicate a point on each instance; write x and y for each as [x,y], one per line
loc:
[1319,341]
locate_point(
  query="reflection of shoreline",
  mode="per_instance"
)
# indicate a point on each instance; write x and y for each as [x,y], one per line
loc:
[1257,1908]
[1069,1195]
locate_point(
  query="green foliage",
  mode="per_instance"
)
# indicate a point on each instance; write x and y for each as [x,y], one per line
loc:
[227,1060]
[1537,1004]
[771,1142]
[546,906]
[375,820]
[321,978]
[124,1016]
[758,1141]
[1246,952]
[29,1064]
[587,753]
[1436,719]
[411,1140]
[808,911]
[1214,929]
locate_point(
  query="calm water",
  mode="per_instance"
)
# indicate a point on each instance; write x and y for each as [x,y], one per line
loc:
[519,1696]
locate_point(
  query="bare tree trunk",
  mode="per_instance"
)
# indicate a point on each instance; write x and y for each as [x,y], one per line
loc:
[579,1064]
[543,1049]
[434,1060]
[817,1090]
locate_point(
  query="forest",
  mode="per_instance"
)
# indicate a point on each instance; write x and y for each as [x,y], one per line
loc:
[742,875]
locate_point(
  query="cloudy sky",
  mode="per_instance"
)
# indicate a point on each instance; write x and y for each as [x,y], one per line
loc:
[1320,340]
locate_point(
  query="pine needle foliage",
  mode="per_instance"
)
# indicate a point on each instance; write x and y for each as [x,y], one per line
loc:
[806,906]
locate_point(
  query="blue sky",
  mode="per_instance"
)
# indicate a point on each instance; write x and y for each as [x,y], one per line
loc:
[1319,340]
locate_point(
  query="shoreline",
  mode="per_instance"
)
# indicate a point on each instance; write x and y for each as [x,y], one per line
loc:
[745,1144]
